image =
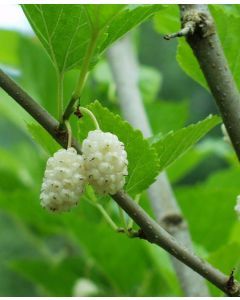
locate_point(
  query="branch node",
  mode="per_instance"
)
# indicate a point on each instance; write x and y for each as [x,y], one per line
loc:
[230,281]
[78,113]
[194,21]
[185,31]
[232,286]
[61,133]
[120,230]
[138,234]
[172,222]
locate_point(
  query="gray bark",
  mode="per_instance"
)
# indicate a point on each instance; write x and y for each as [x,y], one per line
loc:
[207,48]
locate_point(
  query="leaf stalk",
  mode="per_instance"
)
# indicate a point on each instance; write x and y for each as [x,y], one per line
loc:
[81,79]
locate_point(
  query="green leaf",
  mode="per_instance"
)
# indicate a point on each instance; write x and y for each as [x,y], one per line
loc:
[43,138]
[143,162]
[175,144]
[162,115]
[186,163]
[86,228]
[108,253]
[209,208]
[63,30]
[228,29]
[8,51]
[167,20]
[227,19]
[14,245]
[231,10]
[68,31]
[189,63]
[230,253]
[150,82]
[234,238]
[10,110]
[102,15]
[54,279]
[38,78]
[231,261]
[162,262]
[13,172]
[128,19]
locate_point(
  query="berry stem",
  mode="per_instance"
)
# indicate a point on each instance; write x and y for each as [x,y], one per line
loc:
[107,217]
[104,213]
[69,130]
[93,200]
[91,115]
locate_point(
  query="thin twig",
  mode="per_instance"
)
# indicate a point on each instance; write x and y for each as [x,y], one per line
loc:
[35,110]
[157,235]
[188,29]
[152,231]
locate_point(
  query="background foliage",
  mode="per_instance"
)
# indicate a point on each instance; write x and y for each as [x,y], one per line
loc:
[43,254]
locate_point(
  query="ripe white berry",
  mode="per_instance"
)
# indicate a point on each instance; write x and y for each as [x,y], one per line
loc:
[105,161]
[237,206]
[63,181]
[84,287]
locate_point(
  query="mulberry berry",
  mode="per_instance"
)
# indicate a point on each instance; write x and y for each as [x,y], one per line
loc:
[84,287]
[63,181]
[105,161]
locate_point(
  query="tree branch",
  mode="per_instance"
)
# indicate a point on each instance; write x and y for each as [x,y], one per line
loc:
[152,231]
[35,110]
[157,235]
[161,196]
[207,48]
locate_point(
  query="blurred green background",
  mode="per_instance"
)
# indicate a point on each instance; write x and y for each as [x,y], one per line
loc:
[46,255]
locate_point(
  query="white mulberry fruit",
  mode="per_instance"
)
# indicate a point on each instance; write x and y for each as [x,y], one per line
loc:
[105,161]
[84,287]
[63,181]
